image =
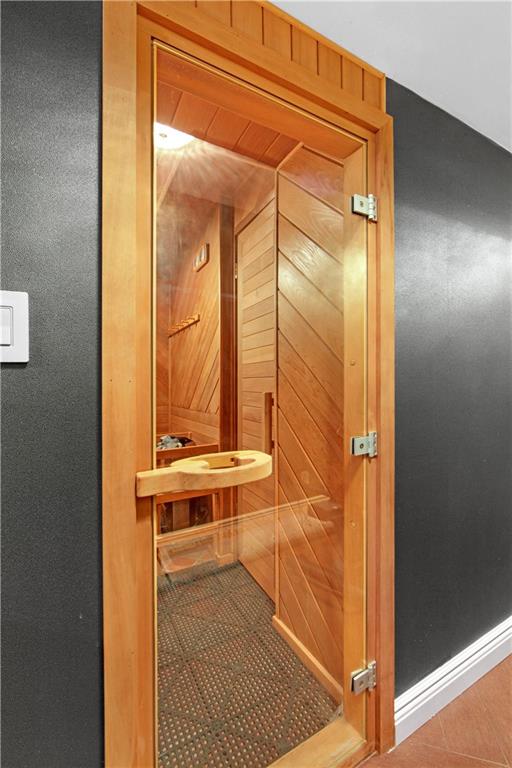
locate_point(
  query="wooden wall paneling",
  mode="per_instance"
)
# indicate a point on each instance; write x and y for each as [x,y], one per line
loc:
[256,287]
[217,9]
[352,77]
[310,405]
[163,303]
[372,88]
[329,64]
[193,115]
[195,352]
[279,150]
[227,330]
[322,177]
[226,128]
[247,19]
[277,33]
[255,140]
[226,535]
[304,49]
[167,100]
[162,353]
[310,214]
[253,195]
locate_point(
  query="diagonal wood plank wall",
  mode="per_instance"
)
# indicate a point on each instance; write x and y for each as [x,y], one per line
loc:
[310,405]
[256,375]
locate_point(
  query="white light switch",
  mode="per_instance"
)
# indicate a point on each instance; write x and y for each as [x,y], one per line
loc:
[6,326]
[13,327]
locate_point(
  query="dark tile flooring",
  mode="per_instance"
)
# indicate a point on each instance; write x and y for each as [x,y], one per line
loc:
[232,694]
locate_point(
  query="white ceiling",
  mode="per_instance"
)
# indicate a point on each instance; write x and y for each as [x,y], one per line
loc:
[455,54]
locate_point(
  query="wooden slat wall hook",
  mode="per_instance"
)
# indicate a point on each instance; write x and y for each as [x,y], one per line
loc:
[177,327]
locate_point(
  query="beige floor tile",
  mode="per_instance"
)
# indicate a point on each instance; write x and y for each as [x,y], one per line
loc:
[468,728]
[431,734]
[409,755]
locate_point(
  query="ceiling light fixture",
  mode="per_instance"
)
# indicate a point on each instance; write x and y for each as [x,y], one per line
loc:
[166,137]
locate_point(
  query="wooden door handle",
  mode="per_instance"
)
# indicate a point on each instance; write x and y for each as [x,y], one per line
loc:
[207,471]
[268,402]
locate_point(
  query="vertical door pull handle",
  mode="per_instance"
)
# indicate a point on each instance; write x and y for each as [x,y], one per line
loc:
[268,402]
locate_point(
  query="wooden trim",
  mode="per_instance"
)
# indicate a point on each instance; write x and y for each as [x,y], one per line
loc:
[356,258]
[269,103]
[145,387]
[119,322]
[268,55]
[384,506]
[126,370]
[280,74]
[338,744]
[322,675]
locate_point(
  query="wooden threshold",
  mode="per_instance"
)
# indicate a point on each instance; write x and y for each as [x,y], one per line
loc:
[338,744]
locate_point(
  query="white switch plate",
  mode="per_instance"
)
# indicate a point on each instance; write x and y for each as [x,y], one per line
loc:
[13,327]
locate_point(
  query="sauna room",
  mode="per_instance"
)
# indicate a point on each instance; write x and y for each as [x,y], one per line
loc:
[248,357]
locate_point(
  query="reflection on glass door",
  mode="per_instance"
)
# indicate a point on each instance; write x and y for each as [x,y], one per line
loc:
[251,354]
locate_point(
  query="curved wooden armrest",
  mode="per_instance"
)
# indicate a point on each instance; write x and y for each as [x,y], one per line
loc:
[209,470]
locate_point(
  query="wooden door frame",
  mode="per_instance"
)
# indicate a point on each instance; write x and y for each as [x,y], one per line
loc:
[220,34]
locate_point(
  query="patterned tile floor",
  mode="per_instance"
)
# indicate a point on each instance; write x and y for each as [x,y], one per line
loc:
[231,693]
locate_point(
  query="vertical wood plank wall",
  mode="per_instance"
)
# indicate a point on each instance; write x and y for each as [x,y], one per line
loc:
[194,352]
[163,321]
[256,375]
[310,405]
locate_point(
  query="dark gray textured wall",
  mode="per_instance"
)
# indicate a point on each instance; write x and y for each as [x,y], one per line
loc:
[51,606]
[453,384]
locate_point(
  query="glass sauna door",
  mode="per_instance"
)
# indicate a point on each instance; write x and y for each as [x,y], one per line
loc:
[259,346]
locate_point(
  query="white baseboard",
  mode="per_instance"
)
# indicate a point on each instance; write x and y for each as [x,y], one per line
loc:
[421,702]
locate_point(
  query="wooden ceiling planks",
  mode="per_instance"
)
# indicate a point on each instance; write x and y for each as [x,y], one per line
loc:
[217,125]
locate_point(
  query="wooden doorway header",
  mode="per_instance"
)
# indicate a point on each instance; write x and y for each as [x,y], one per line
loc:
[268,40]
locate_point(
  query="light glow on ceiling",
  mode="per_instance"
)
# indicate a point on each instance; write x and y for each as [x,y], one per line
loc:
[166,137]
